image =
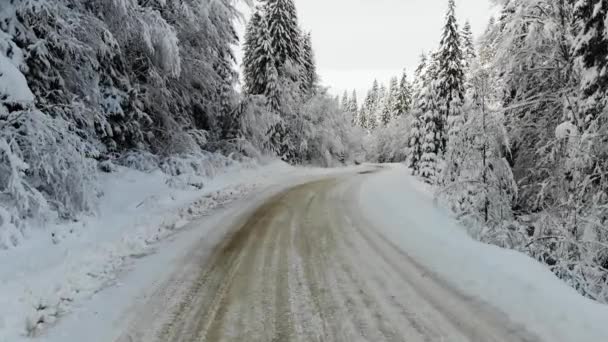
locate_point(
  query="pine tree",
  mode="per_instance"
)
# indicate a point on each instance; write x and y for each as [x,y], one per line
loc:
[415,145]
[389,105]
[425,145]
[450,77]
[468,45]
[308,70]
[419,77]
[419,108]
[353,105]
[404,97]
[592,48]
[366,115]
[253,62]
[345,104]
[432,135]
[272,90]
[361,117]
[379,105]
[284,33]
[260,73]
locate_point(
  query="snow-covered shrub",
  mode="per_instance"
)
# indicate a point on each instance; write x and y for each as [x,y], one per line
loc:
[45,168]
[392,141]
[194,170]
[203,164]
[139,160]
[45,165]
[255,123]
[324,133]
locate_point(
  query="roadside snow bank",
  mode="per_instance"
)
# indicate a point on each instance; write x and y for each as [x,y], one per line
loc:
[57,268]
[518,285]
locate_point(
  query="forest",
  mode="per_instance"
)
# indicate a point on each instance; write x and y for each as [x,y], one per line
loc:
[509,128]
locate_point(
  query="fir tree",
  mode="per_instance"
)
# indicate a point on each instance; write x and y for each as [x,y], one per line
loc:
[378,109]
[419,108]
[366,116]
[353,105]
[308,70]
[403,102]
[271,88]
[253,62]
[415,145]
[450,77]
[260,73]
[468,45]
[390,101]
[345,102]
[284,33]
[420,77]
[425,145]
[432,135]
[361,117]
[592,49]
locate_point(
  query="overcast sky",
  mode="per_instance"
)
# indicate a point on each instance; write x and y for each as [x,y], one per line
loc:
[356,41]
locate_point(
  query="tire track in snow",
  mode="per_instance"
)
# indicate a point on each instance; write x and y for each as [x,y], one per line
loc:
[307,266]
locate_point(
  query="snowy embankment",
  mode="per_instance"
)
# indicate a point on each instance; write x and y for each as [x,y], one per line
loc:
[519,286]
[67,268]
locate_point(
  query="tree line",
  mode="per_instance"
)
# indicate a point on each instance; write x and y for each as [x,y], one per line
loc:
[85,85]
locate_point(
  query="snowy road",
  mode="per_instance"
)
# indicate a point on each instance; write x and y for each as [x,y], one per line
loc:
[307,266]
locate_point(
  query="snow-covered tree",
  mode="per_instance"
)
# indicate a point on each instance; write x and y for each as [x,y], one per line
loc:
[432,138]
[309,76]
[388,106]
[419,104]
[468,45]
[391,141]
[353,105]
[345,102]
[378,109]
[286,38]
[367,113]
[403,97]
[450,80]
[420,77]
[258,57]
[592,48]
[415,145]
[479,184]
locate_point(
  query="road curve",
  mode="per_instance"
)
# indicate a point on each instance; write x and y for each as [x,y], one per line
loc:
[307,266]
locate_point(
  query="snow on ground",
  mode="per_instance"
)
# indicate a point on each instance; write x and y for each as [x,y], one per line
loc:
[518,285]
[92,268]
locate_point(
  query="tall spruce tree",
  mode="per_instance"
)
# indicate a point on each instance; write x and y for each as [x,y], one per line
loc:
[378,109]
[308,72]
[419,108]
[286,38]
[415,144]
[390,101]
[345,103]
[353,105]
[450,86]
[404,97]
[419,77]
[256,56]
[260,73]
[468,45]
[592,49]
[366,115]
[432,137]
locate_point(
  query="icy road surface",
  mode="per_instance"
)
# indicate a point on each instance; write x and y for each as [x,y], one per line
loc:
[307,266]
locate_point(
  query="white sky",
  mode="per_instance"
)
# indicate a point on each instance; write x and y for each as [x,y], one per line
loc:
[356,41]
